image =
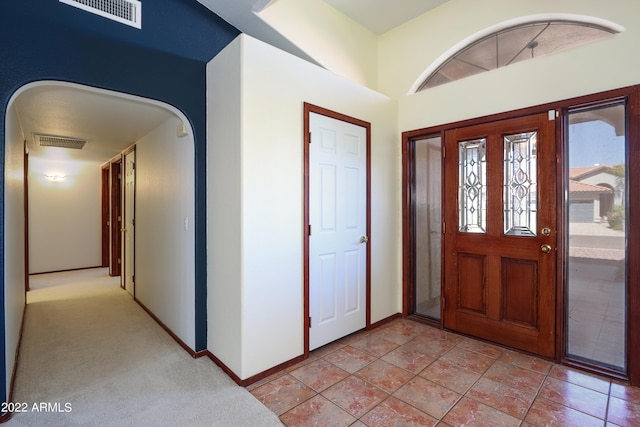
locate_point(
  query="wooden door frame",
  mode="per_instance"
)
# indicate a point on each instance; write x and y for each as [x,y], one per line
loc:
[116,211]
[631,95]
[106,170]
[307,110]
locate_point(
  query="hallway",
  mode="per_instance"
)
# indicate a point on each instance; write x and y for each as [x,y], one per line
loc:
[407,373]
[92,356]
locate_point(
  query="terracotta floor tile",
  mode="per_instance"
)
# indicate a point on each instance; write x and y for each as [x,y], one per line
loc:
[580,378]
[526,361]
[350,359]
[435,344]
[318,412]
[327,349]
[546,413]
[282,394]
[468,360]
[481,347]
[409,357]
[450,376]
[515,376]
[574,396]
[427,396]
[375,345]
[509,400]
[396,413]
[384,375]
[625,392]
[470,413]
[355,396]
[396,334]
[265,380]
[623,412]
[319,374]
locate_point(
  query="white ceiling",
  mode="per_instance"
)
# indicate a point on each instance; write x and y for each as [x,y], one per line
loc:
[380,16]
[110,123]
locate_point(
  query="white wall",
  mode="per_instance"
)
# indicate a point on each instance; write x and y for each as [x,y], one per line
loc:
[404,53]
[256,196]
[64,217]
[224,208]
[14,261]
[165,236]
[334,40]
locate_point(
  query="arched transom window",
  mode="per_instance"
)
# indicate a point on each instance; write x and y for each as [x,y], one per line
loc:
[514,44]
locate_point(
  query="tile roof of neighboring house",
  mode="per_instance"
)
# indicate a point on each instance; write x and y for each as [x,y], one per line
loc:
[577,173]
[581,187]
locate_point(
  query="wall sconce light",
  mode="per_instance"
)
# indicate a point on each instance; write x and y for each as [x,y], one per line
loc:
[55,178]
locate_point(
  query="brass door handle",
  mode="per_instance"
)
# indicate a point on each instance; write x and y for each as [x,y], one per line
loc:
[546,231]
[124,230]
[364,239]
[545,248]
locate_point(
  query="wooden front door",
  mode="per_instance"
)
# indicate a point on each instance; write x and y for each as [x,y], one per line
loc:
[500,232]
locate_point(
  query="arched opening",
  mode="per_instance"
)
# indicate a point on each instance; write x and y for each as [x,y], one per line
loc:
[111,123]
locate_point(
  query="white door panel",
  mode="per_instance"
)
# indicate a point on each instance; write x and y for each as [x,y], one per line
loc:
[337,215]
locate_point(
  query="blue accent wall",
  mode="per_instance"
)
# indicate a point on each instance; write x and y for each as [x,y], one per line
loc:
[165,60]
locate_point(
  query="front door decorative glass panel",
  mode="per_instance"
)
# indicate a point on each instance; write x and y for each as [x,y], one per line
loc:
[473,186]
[520,184]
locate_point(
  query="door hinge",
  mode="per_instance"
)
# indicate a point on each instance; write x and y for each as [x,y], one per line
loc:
[444,227]
[309,229]
[118,260]
[133,278]
[444,152]
[133,222]
[133,165]
[309,322]
[309,137]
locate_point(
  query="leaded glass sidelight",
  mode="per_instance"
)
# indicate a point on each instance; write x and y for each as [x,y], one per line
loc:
[520,184]
[472,191]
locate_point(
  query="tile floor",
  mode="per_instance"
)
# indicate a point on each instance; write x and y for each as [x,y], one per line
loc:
[409,374]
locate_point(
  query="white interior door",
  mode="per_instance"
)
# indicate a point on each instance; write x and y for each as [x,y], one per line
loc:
[338,220]
[129,221]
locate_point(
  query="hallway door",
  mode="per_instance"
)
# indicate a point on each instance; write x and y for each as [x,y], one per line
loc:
[500,232]
[129,221]
[338,229]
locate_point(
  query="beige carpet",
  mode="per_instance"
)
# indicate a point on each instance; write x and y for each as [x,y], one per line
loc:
[88,347]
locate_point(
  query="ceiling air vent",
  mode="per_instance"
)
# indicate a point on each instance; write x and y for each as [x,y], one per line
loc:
[59,141]
[127,12]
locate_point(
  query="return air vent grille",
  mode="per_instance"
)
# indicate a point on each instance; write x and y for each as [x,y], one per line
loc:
[127,12]
[59,141]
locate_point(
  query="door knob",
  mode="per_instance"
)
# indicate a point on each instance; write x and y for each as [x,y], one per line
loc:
[364,239]
[124,230]
[545,248]
[546,231]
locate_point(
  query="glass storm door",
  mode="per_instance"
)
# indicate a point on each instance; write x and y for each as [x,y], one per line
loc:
[500,233]
[427,214]
[595,310]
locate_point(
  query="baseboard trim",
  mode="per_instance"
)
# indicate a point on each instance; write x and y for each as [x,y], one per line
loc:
[182,344]
[384,321]
[64,271]
[257,377]
[284,365]
[7,415]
